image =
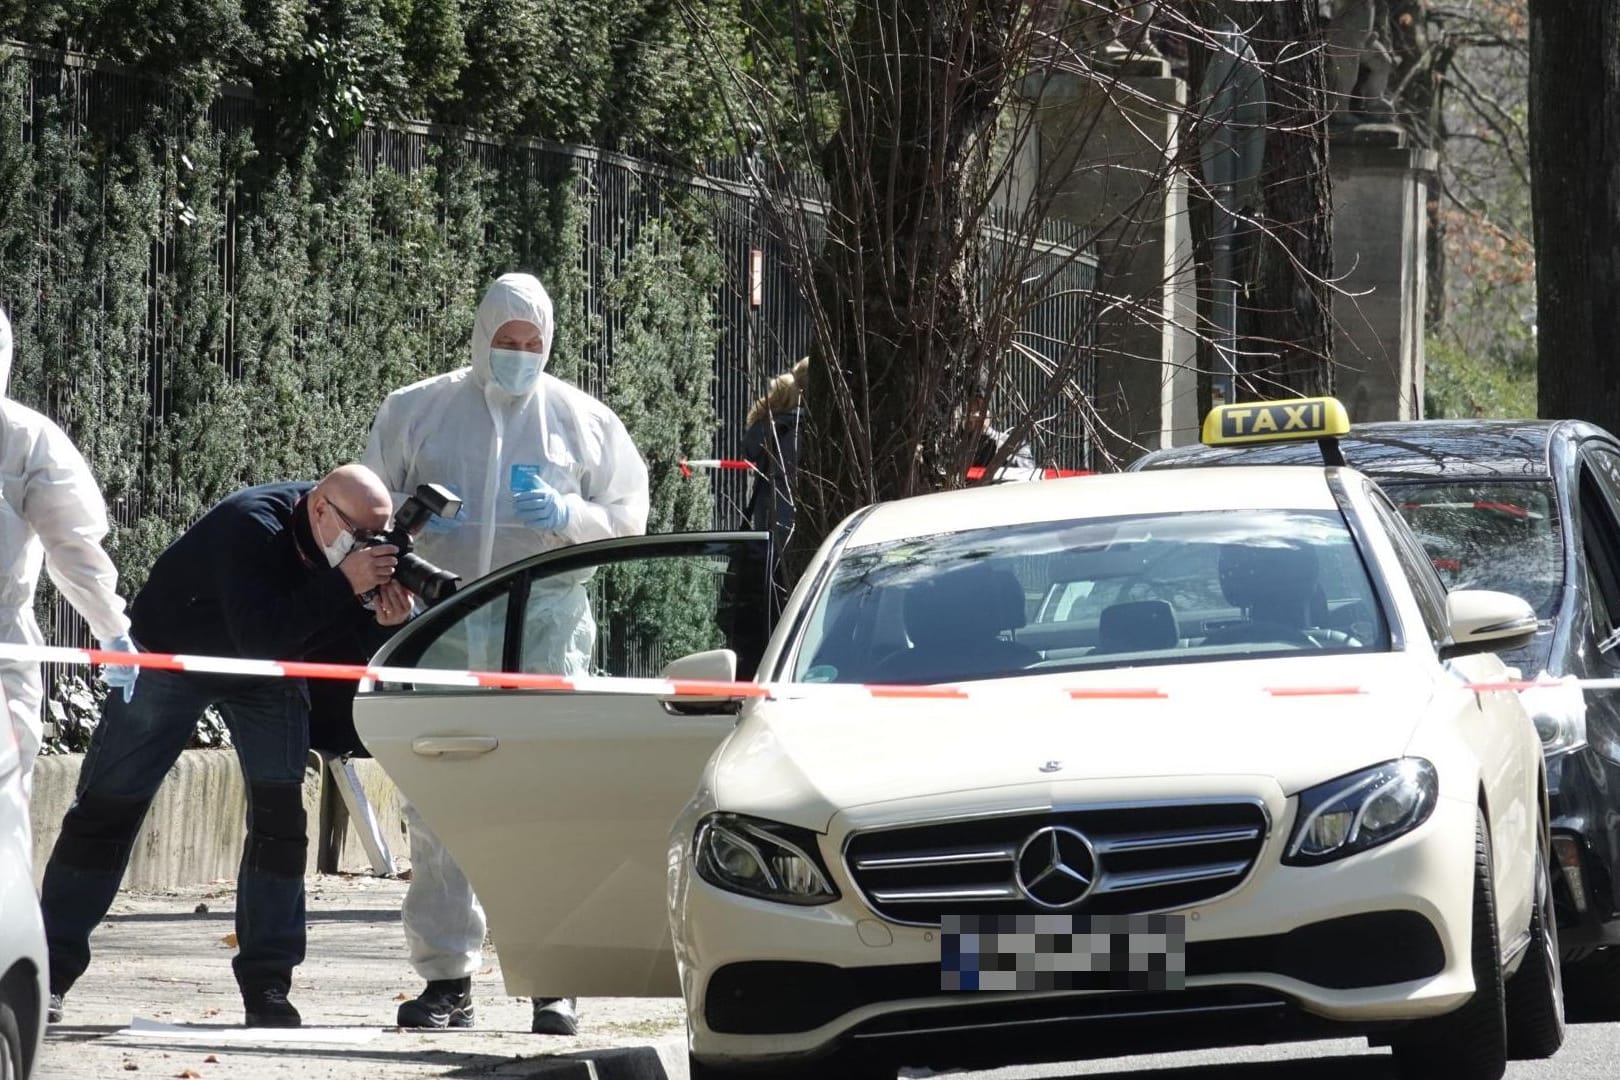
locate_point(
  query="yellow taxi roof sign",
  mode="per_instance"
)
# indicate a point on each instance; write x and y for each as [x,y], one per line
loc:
[1276,421]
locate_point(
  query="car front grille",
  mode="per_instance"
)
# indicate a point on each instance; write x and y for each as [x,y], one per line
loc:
[1146,858]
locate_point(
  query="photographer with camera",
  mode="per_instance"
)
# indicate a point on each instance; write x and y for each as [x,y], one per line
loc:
[539,465]
[275,572]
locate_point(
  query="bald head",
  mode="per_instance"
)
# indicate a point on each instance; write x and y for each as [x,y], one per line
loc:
[350,497]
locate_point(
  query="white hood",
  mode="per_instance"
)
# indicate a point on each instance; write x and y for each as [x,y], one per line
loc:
[804,760]
[5,354]
[512,296]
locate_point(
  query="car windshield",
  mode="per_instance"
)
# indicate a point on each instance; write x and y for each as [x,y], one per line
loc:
[1095,593]
[1489,534]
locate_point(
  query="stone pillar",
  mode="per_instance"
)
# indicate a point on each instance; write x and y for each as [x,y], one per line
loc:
[1106,142]
[1380,255]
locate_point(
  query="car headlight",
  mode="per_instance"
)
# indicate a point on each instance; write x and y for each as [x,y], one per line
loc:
[1361,811]
[760,858]
[1558,711]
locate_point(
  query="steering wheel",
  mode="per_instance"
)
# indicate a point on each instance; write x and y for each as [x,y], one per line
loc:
[1258,631]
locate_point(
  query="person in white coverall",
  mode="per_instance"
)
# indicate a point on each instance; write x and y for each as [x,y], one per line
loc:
[538,464]
[51,514]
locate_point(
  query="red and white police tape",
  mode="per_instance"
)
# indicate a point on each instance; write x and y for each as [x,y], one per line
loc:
[724,464]
[672,688]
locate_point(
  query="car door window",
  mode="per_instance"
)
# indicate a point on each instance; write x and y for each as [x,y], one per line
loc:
[1600,541]
[630,618]
[474,642]
[1415,566]
[612,609]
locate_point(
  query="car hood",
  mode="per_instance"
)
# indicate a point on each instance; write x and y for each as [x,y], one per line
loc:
[803,759]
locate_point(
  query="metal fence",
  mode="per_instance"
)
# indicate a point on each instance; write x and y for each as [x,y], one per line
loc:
[758,312]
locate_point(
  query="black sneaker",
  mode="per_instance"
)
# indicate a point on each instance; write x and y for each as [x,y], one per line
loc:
[555,1016]
[268,1007]
[53,1012]
[446,1003]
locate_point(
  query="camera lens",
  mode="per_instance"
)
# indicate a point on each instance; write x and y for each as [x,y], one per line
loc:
[424,579]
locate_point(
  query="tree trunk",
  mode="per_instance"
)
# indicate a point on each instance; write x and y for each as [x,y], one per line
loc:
[898,277]
[1286,322]
[1575,184]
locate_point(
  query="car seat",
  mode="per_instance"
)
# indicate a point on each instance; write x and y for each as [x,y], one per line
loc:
[955,621]
[1137,626]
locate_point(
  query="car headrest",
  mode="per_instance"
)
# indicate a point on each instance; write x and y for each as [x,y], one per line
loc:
[973,603]
[1137,626]
[1268,575]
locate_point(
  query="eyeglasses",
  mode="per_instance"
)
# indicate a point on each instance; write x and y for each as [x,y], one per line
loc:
[359,533]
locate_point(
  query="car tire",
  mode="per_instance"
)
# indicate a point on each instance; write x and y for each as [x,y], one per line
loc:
[11,1048]
[1468,1043]
[1535,994]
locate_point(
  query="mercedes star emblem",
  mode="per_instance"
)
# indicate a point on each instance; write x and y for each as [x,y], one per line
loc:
[1056,867]
[1052,766]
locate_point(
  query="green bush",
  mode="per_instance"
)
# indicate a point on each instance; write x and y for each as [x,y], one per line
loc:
[618,74]
[204,302]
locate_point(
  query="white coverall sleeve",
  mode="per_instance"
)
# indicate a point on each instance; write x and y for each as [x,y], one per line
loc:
[62,503]
[617,502]
[384,453]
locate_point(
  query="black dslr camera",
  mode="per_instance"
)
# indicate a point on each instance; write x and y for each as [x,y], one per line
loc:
[414,572]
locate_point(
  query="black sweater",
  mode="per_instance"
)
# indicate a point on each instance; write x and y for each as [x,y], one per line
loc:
[248,580]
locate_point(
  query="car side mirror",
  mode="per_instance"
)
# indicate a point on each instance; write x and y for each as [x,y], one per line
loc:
[1480,620]
[716,665]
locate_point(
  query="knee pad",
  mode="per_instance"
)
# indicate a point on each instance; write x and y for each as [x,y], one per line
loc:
[277,842]
[98,832]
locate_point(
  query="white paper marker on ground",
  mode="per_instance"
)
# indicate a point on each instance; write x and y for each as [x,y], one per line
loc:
[204,1034]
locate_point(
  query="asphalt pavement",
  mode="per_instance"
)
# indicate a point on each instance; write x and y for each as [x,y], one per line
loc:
[158,958]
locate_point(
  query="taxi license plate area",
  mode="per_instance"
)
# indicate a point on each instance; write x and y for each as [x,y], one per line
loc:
[1063,952]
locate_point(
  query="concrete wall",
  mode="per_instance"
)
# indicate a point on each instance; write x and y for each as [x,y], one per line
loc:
[1105,144]
[1380,239]
[195,828]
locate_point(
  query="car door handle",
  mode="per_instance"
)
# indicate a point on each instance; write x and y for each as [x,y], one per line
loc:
[701,706]
[438,745]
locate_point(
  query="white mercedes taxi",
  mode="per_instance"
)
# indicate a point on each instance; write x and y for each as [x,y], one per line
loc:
[1114,764]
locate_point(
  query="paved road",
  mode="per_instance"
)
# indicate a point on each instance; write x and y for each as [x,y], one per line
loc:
[157,958]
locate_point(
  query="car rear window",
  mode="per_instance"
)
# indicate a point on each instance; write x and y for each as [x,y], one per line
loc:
[1095,593]
[1489,534]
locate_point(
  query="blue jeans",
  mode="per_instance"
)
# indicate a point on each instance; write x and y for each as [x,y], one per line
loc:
[130,752]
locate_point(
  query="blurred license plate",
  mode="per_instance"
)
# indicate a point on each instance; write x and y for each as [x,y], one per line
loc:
[1063,952]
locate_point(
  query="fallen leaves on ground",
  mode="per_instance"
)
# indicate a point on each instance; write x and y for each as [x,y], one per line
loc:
[229,939]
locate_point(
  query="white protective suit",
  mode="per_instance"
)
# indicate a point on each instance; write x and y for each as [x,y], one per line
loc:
[51,514]
[464,431]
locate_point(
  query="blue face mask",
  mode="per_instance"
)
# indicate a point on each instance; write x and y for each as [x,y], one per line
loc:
[513,371]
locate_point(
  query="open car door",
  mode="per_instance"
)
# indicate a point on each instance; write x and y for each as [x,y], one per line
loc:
[558,806]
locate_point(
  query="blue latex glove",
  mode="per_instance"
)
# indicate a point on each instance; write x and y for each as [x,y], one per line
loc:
[120,676]
[542,508]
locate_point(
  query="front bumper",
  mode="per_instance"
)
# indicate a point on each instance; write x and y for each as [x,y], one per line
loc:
[1352,947]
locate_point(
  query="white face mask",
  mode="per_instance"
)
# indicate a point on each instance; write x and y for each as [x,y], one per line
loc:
[513,371]
[341,545]
[339,549]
